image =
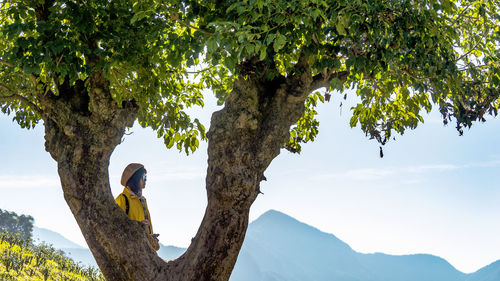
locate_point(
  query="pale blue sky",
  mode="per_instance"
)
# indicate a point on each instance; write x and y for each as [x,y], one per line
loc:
[433,192]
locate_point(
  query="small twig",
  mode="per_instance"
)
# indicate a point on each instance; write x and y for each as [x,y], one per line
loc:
[59,60]
[5,87]
[463,12]
[6,63]
[176,18]
[476,66]
[118,81]
[56,81]
[200,71]
[470,51]
[320,80]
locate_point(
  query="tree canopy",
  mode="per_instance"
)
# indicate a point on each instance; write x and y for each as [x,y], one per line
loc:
[400,56]
[49,46]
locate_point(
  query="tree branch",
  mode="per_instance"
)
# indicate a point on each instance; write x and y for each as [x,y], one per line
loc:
[323,79]
[462,13]
[199,71]
[14,96]
[6,63]
[176,18]
[118,81]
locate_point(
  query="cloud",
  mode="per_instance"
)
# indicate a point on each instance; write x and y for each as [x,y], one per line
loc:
[411,181]
[429,168]
[374,174]
[28,181]
[487,164]
[368,174]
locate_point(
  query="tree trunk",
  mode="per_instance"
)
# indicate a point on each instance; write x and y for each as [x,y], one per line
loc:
[81,131]
[82,128]
[244,137]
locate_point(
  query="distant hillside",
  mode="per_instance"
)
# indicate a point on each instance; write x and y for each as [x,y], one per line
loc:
[54,238]
[487,273]
[170,252]
[83,255]
[277,247]
[409,268]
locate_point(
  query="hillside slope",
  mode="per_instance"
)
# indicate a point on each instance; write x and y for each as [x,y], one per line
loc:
[21,260]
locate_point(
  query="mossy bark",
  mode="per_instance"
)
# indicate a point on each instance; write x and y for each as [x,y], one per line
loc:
[83,125]
[244,138]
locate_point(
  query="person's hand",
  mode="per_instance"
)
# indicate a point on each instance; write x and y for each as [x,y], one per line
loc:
[145,225]
[153,240]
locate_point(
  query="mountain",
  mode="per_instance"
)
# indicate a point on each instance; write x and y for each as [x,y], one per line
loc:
[54,238]
[73,250]
[487,273]
[278,247]
[83,255]
[170,252]
[410,268]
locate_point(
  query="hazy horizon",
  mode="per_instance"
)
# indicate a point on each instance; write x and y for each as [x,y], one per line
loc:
[434,192]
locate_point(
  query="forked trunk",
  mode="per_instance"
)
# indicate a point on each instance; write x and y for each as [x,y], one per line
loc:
[244,137]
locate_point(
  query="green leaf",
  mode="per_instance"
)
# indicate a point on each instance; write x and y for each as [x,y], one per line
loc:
[279,42]
[262,54]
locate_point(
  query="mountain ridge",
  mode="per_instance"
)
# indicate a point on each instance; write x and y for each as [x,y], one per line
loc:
[57,240]
[278,247]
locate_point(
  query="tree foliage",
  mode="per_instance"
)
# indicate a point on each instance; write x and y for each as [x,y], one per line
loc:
[50,46]
[400,56]
[16,224]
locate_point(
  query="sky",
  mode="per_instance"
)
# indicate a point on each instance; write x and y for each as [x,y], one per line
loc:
[433,192]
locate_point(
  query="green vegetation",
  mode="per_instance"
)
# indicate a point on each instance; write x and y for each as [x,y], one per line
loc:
[90,69]
[20,260]
[14,223]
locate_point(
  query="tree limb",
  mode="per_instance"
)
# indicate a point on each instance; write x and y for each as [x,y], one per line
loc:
[323,79]
[176,18]
[469,52]
[6,63]
[462,13]
[14,96]
[118,81]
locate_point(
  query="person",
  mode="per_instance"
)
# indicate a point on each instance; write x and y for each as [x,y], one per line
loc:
[132,202]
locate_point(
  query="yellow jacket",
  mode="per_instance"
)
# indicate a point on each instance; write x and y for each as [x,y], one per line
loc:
[136,207]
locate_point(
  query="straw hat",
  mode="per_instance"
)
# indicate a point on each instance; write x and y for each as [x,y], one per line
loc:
[129,171]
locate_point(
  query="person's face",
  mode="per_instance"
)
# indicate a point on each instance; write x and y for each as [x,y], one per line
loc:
[143,181]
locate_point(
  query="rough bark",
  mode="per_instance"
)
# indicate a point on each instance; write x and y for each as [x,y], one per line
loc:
[244,138]
[84,126]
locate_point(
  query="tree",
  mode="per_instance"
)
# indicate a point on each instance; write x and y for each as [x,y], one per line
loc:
[90,69]
[13,223]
